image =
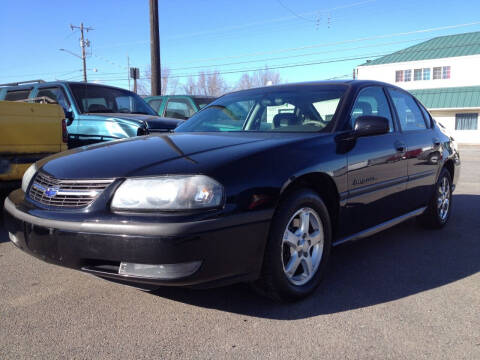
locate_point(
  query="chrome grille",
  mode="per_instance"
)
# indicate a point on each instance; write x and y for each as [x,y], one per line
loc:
[50,191]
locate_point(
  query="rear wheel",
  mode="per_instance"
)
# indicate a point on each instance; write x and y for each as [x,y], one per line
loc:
[440,206]
[298,247]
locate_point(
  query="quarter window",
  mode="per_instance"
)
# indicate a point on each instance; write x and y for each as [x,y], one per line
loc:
[437,73]
[14,95]
[409,114]
[371,101]
[468,121]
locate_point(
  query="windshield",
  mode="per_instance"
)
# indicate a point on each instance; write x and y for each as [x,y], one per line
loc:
[299,109]
[104,99]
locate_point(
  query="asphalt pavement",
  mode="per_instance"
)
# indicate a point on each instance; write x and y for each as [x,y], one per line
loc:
[407,293]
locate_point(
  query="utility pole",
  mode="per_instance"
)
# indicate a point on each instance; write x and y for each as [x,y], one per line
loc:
[156,82]
[83,44]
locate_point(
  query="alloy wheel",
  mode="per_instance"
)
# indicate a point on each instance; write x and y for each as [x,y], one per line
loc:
[443,199]
[302,246]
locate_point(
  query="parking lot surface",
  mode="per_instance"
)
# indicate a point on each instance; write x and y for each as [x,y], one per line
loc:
[407,293]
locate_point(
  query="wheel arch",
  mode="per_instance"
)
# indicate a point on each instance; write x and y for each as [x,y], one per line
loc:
[324,186]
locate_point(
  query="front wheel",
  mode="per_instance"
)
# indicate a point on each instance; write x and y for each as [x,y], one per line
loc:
[298,247]
[440,206]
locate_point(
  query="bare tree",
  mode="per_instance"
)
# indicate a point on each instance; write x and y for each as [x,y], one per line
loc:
[190,87]
[245,82]
[259,78]
[169,84]
[207,84]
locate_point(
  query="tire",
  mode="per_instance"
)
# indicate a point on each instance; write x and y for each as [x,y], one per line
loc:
[287,273]
[438,211]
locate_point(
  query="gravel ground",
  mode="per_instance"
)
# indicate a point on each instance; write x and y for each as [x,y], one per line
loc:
[407,293]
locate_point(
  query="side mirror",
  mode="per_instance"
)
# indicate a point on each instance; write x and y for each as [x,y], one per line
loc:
[69,117]
[371,125]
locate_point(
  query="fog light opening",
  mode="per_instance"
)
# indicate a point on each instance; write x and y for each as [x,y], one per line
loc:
[161,271]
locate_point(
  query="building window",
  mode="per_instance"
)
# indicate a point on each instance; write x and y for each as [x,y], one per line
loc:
[398,75]
[446,72]
[426,74]
[437,73]
[468,121]
[417,74]
[408,75]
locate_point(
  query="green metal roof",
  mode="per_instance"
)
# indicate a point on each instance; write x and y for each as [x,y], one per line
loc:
[453,97]
[436,48]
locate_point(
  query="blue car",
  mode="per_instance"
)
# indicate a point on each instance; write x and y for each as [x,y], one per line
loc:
[94,112]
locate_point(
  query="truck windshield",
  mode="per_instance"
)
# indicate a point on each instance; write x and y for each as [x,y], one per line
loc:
[104,99]
[287,109]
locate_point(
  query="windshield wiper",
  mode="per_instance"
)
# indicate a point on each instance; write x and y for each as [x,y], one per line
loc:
[99,111]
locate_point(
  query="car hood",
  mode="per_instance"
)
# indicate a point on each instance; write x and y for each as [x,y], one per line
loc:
[134,156]
[152,121]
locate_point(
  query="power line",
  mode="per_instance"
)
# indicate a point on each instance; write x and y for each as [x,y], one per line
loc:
[294,13]
[382,36]
[260,69]
[356,57]
[296,56]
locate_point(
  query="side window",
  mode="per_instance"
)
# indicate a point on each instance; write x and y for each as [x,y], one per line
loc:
[56,94]
[155,104]
[371,101]
[179,109]
[14,95]
[408,112]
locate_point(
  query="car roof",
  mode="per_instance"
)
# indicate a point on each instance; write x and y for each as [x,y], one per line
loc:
[53,83]
[349,83]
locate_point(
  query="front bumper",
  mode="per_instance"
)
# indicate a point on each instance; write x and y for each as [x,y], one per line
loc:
[230,248]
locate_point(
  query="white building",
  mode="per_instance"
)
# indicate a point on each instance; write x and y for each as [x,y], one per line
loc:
[444,74]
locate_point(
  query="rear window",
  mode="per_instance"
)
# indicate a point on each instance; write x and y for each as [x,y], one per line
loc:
[202,102]
[14,95]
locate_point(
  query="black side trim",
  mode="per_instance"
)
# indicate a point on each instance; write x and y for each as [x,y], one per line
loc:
[380,227]
[421,175]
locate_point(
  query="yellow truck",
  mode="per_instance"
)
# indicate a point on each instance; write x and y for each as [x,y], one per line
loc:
[28,132]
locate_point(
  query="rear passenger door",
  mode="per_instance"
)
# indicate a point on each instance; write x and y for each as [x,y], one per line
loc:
[377,171]
[423,148]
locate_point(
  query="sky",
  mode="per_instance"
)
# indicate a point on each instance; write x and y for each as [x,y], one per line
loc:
[304,40]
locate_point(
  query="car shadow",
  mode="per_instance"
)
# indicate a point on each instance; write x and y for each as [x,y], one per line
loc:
[397,263]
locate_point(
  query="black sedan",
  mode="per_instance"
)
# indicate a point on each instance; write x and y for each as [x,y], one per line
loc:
[256,187]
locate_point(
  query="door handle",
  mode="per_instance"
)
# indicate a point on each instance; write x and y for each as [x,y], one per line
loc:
[401,147]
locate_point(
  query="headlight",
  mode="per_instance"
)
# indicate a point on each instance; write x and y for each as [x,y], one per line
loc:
[27,177]
[178,192]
